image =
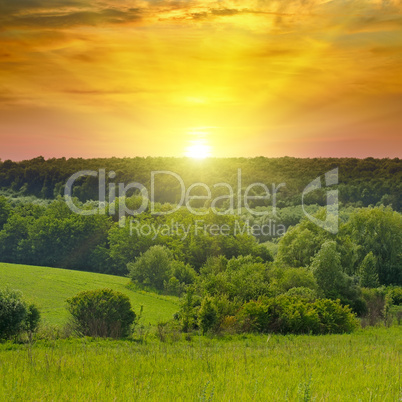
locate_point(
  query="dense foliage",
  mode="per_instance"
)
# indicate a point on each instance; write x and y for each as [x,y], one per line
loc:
[54,236]
[363,182]
[295,315]
[16,315]
[219,274]
[367,230]
[101,313]
[157,268]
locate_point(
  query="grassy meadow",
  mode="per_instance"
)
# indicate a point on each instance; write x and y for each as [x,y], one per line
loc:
[49,288]
[364,366]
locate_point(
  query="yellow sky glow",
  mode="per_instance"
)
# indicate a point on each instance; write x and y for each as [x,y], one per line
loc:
[272,78]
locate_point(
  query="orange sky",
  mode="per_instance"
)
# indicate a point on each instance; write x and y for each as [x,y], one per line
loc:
[222,78]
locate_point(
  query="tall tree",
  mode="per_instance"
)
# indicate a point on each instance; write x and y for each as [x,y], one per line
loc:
[368,272]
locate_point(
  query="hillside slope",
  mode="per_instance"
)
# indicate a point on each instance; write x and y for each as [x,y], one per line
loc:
[49,288]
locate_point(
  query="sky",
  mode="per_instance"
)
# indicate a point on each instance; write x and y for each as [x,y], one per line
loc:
[126,78]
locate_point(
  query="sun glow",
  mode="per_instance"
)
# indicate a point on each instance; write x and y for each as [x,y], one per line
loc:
[198,151]
[198,147]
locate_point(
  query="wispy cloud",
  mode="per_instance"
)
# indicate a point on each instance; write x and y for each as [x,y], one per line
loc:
[47,19]
[160,66]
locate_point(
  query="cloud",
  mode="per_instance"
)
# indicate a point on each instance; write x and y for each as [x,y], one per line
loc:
[375,23]
[54,20]
[226,12]
[55,14]
[74,91]
[23,6]
[30,14]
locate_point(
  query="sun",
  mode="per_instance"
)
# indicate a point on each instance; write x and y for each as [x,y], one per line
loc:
[198,151]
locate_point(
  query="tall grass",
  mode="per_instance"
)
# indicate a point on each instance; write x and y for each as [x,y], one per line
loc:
[364,366]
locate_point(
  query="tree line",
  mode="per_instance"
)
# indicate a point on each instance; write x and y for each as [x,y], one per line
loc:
[362,182]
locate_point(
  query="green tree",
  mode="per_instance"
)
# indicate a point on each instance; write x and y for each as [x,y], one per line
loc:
[326,268]
[207,315]
[5,211]
[16,315]
[125,245]
[153,268]
[13,239]
[379,230]
[243,278]
[184,273]
[188,310]
[299,245]
[368,272]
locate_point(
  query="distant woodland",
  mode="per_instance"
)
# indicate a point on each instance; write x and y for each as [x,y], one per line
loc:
[362,182]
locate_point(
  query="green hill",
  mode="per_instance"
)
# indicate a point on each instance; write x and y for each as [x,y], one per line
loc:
[49,288]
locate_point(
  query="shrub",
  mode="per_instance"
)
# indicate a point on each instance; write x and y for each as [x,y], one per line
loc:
[181,275]
[394,295]
[242,277]
[174,287]
[295,278]
[254,317]
[374,306]
[189,307]
[32,319]
[393,305]
[335,318]
[207,315]
[286,314]
[302,293]
[101,313]
[184,273]
[228,325]
[15,315]
[168,331]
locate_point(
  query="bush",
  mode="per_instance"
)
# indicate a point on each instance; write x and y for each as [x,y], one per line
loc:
[168,331]
[32,319]
[374,312]
[286,314]
[188,314]
[183,272]
[101,313]
[15,315]
[207,315]
[394,295]
[289,278]
[181,275]
[335,318]
[302,292]
[393,305]
[243,278]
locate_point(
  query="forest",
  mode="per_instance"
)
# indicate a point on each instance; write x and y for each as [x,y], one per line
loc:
[362,182]
[234,278]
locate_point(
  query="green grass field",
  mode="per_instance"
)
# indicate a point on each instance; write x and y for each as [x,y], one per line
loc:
[49,288]
[364,366]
